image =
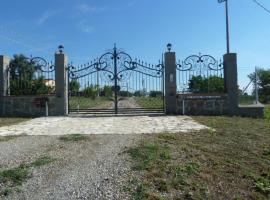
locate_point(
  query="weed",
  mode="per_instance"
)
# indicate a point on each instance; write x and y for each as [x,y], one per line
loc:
[147,154]
[8,138]
[42,161]
[11,178]
[73,138]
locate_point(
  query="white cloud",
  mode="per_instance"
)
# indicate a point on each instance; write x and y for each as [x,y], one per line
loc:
[46,16]
[84,8]
[85,27]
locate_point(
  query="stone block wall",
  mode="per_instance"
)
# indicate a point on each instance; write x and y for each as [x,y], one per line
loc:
[28,106]
[202,104]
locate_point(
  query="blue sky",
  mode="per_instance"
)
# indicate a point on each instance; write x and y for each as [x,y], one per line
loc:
[141,27]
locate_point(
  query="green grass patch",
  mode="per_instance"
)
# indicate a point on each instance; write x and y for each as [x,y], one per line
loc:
[87,102]
[11,178]
[73,138]
[207,164]
[147,154]
[8,138]
[149,102]
[267,112]
[44,160]
[11,121]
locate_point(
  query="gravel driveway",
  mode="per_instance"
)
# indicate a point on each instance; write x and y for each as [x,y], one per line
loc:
[95,168]
[103,125]
[92,169]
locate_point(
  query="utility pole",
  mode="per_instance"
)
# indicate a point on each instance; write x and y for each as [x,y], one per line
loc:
[227,24]
[256,85]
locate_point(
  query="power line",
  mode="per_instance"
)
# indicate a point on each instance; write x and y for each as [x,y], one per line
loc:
[262,6]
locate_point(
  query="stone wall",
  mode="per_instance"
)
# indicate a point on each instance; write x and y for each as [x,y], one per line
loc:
[28,106]
[202,104]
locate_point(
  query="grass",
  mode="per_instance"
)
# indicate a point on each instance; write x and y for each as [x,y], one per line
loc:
[73,138]
[12,178]
[8,138]
[11,121]
[267,112]
[231,162]
[87,103]
[149,102]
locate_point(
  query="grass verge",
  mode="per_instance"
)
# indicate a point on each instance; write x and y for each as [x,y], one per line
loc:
[149,102]
[73,138]
[229,163]
[267,112]
[10,179]
[11,121]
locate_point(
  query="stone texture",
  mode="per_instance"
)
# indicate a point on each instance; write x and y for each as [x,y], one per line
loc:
[4,82]
[27,106]
[203,104]
[170,83]
[103,125]
[231,82]
[61,83]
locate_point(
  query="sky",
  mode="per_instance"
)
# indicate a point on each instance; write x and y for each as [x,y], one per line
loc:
[88,28]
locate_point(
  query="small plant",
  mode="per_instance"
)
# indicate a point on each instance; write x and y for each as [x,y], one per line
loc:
[11,178]
[7,138]
[147,154]
[14,176]
[192,168]
[73,138]
[42,161]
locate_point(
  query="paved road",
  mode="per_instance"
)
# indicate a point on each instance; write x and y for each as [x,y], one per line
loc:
[103,125]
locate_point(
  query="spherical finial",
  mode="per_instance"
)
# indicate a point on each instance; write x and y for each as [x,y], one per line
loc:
[169,47]
[61,48]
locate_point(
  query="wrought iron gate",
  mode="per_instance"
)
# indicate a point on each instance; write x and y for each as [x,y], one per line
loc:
[116,84]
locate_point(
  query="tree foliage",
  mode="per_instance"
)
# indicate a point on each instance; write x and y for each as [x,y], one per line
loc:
[25,78]
[212,84]
[74,86]
[263,84]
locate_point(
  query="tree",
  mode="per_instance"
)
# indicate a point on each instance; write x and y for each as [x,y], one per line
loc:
[155,94]
[107,90]
[212,84]
[74,86]
[263,84]
[91,92]
[23,77]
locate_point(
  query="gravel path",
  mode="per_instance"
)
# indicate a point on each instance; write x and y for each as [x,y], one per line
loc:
[93,169]
[103,125]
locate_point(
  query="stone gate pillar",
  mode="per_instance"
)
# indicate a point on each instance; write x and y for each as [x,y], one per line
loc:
[231,83]
[170,83]
[61,83]
[4,75]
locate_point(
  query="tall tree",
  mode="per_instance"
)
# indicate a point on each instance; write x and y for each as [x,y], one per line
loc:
[212,84]
[263,84]
[25,78]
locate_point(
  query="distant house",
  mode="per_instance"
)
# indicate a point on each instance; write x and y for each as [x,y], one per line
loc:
[49,83]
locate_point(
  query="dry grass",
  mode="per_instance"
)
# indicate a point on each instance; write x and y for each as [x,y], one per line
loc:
[11,121]
[232,162]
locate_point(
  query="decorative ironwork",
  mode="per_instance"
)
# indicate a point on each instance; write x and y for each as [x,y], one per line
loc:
[31,76]
[200,63]
[117,70]
[116,65]
[204,66]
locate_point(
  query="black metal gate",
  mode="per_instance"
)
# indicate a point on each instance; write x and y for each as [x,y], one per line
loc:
[116,84]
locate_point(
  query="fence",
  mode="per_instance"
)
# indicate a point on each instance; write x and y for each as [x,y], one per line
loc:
[200,74]
[30,76]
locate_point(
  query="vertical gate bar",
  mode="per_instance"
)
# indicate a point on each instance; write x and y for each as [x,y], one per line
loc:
[115,79]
